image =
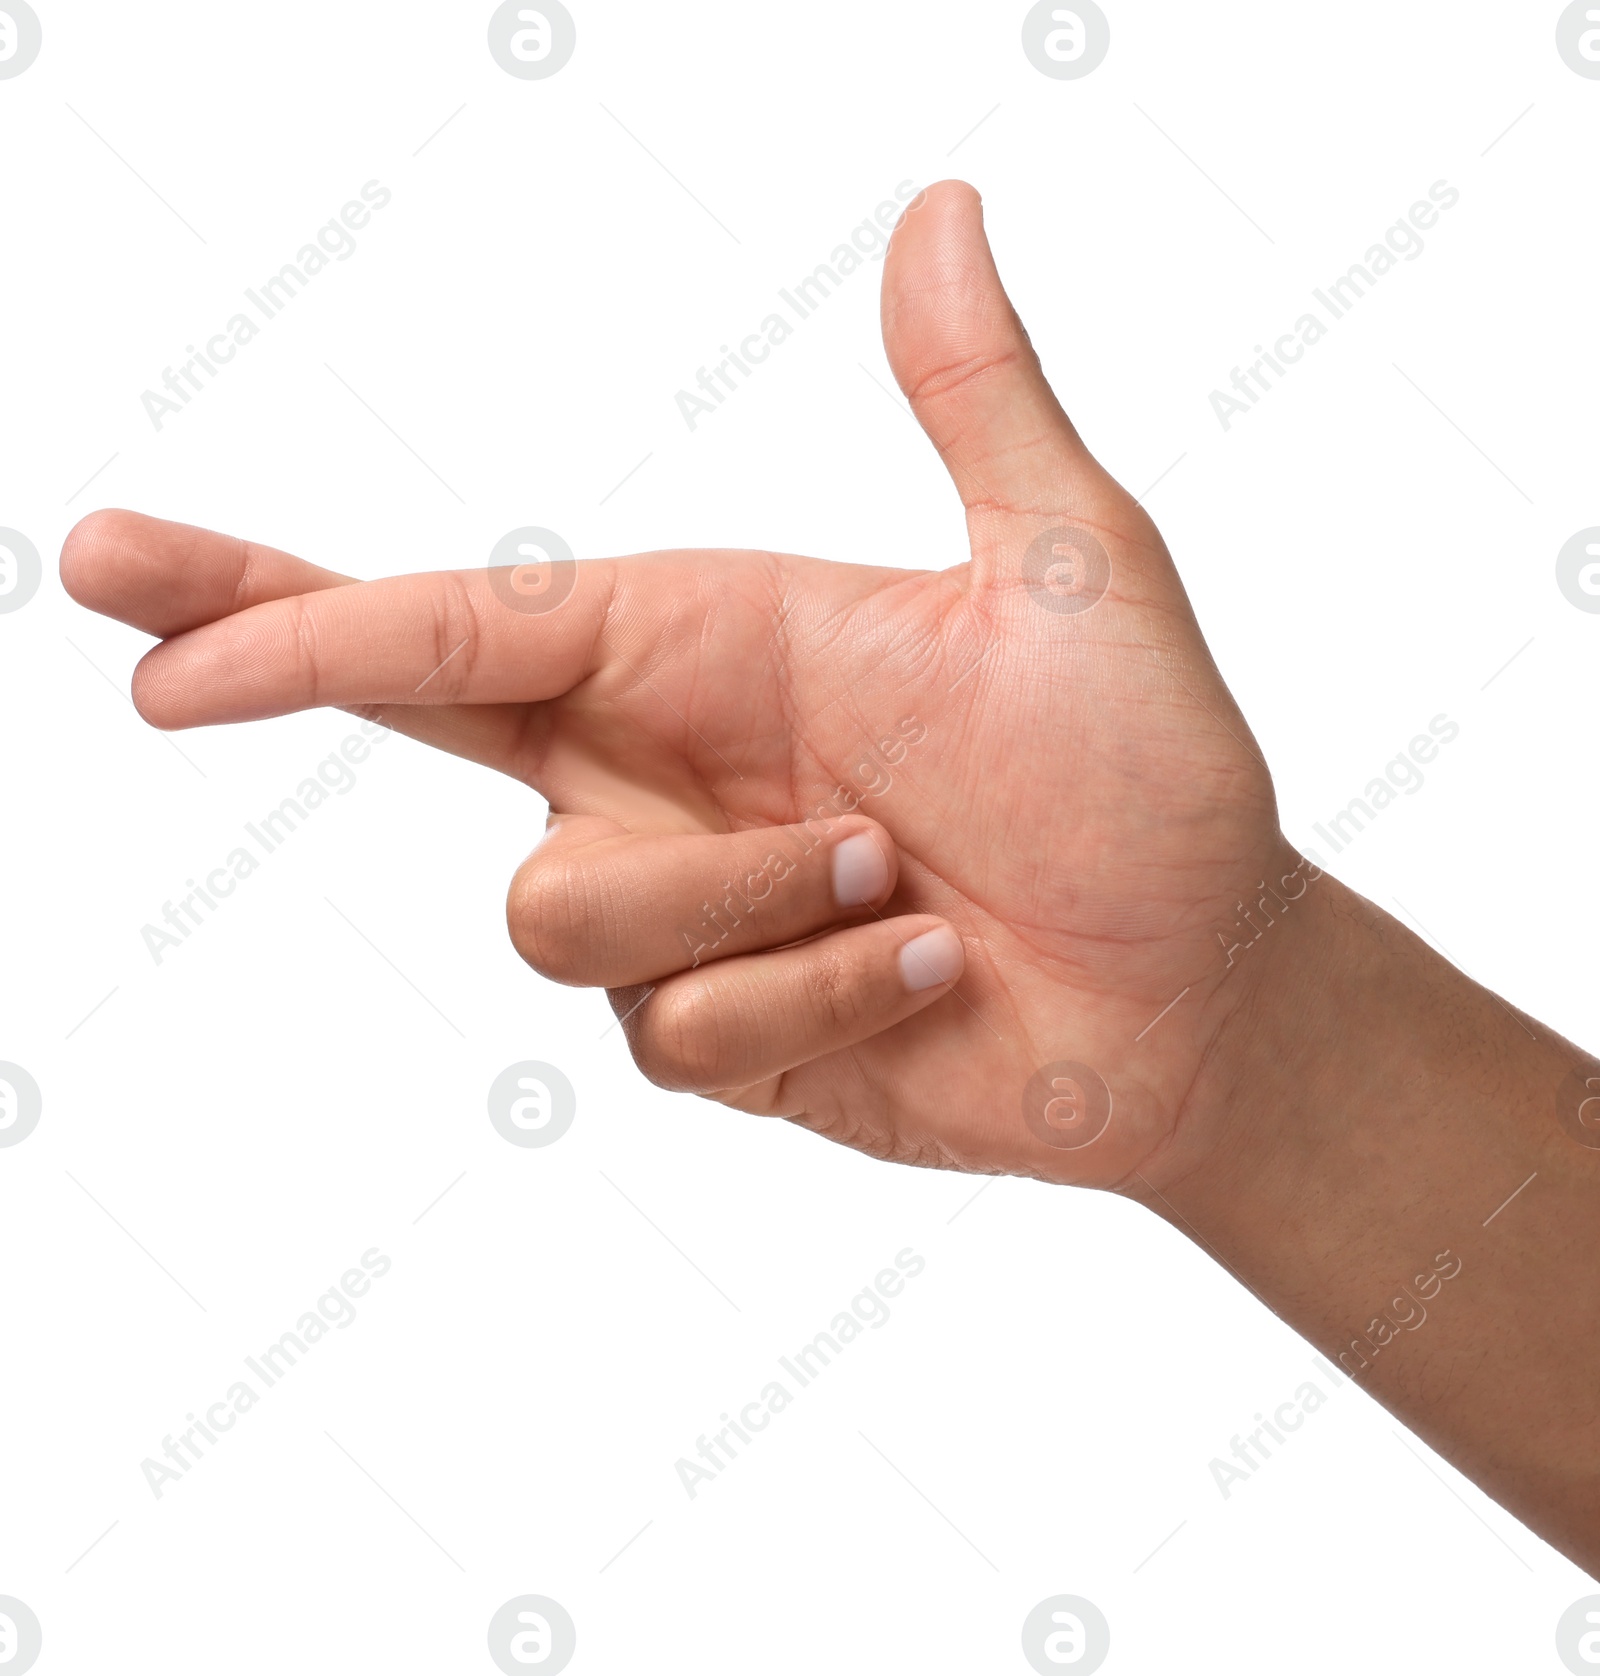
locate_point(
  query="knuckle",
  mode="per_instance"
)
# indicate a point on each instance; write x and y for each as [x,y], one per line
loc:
[830,991]
[678,1042]
[303,633]
[948,375]
[242,573]
[456,636]
[548,918]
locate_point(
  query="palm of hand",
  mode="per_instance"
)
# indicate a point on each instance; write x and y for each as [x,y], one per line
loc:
[1054,783]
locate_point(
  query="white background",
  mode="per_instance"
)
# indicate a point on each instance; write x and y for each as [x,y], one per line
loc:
[277,1097]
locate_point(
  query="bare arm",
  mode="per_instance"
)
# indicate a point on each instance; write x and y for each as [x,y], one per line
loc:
[1406,1170]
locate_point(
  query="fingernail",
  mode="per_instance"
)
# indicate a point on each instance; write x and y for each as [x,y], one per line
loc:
[860,872]
[933,958]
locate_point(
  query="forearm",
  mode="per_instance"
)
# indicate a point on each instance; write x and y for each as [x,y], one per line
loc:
[1371,1118]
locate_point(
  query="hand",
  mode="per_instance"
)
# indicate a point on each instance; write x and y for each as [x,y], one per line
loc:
[1054,847]
[864,848]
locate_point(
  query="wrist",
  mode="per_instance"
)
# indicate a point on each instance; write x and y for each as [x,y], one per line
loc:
[1292,1019]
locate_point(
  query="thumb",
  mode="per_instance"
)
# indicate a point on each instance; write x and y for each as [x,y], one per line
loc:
[961,356]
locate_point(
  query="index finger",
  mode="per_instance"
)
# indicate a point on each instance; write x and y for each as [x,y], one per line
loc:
[448,637]
[167,578]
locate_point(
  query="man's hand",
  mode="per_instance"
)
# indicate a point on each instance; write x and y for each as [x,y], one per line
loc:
[913,858]
[960,868]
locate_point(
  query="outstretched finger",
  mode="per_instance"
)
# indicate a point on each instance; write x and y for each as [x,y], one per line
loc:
[445,638]
[167,578]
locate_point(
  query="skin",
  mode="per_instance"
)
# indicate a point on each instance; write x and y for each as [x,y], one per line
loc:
[1067,798]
